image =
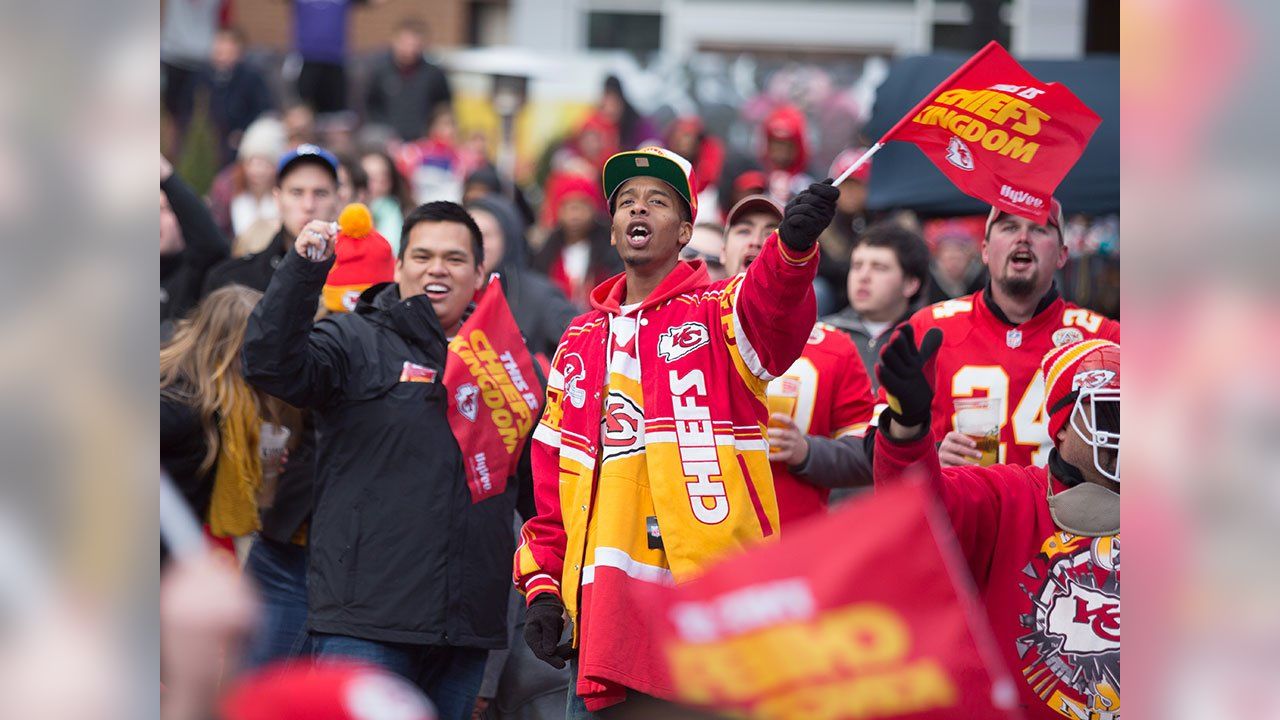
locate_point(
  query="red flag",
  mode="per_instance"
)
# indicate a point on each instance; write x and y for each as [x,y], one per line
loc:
[494,395]
[1000,134]
[866,613]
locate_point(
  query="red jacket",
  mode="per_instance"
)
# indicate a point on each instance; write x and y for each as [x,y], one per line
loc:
[691,452]
[1053,598]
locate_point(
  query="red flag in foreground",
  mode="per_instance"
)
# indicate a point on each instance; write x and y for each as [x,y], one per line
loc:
[867,613]
[1000,134]
[494,396]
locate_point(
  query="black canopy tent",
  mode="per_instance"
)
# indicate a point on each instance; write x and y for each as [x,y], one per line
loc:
[902,177]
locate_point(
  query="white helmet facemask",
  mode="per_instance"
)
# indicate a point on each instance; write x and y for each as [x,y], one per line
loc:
[1084,420]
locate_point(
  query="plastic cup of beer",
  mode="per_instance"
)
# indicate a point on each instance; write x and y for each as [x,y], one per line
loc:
[979,419]
[272,441]
[781,398]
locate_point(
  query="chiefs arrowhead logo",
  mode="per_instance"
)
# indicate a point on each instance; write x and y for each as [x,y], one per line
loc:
[1092,379]
[958,154]
[621,427]
[467,397]
[681,340]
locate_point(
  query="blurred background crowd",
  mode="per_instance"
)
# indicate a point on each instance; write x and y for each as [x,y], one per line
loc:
[511,107]
[458,100]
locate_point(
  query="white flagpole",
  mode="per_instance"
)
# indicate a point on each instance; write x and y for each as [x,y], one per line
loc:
[865,157]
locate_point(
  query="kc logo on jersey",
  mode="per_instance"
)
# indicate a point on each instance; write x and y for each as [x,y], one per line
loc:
[622,426]
[1071,648]
[1088,621]
[681,340]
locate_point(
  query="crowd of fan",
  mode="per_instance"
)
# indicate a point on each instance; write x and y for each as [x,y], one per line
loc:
[283,165]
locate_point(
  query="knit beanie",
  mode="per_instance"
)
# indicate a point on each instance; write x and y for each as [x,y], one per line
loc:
[1088,363]
[363,259]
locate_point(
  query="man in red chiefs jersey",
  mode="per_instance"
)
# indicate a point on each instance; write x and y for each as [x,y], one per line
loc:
[820,407]
[1042,544]
[995,338]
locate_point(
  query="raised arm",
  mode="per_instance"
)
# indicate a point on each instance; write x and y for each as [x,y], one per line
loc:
[205,245]
[284,355]
[774,307]
[904,450]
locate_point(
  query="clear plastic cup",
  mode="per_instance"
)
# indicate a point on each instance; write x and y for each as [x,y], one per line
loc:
[272,441]
[979,419]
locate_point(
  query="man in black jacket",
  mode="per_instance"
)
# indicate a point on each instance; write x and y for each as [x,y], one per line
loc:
[405,571]
[404,90]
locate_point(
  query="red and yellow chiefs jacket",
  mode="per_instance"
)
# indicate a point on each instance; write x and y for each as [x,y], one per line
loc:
[703,356]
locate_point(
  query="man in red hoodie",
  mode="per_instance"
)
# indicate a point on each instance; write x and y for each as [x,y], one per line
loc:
[1043,544]
[651,459]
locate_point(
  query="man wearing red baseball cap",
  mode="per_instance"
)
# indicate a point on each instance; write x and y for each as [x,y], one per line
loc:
[1043,544]
[996,337]
[651,458]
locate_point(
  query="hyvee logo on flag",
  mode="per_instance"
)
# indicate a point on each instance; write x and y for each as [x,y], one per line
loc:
[824,624]
[495,398]
[999,134]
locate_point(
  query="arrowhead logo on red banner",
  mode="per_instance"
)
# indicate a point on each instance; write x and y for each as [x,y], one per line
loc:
[879,623]
[494,395]
[999,134]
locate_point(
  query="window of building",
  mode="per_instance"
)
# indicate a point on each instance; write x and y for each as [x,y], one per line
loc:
[640,33]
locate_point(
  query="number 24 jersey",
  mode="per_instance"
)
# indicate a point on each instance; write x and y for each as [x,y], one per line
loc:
[983,355]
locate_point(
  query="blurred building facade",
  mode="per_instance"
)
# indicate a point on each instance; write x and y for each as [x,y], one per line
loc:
[1029,28]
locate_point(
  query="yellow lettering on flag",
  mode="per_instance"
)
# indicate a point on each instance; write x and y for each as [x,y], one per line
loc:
[850,662]
[963,112]
[509,410]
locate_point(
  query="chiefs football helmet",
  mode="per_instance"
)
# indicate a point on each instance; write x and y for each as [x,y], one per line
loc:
[1082,382]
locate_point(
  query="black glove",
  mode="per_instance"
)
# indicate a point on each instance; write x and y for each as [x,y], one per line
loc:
[901,374]
[543,625]
[807,215]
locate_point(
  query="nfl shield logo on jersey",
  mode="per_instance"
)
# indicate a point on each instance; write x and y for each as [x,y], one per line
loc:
[1013,338]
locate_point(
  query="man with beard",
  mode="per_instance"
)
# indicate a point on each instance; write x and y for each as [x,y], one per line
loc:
[995,338]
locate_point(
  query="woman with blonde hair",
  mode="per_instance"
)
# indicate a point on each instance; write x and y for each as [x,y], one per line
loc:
[210,418]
